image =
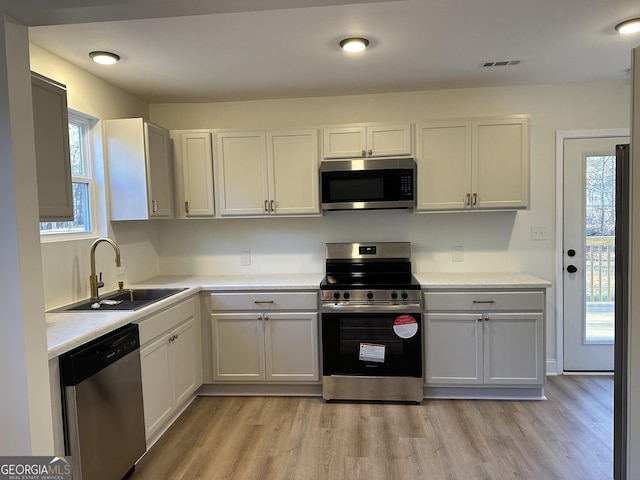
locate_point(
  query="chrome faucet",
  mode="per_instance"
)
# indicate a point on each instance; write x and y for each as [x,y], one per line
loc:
[94,282]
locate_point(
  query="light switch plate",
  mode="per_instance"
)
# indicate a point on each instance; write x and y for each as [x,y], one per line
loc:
[245,258]
[538,232]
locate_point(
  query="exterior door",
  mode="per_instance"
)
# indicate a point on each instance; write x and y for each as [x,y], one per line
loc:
[589,253]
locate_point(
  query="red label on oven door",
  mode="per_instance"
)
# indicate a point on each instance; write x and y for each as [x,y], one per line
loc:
[405,326]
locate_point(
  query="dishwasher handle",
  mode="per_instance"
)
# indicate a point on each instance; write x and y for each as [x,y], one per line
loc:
[88,359]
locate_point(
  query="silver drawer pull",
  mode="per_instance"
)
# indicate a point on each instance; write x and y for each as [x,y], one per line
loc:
[484,301]
[258,302]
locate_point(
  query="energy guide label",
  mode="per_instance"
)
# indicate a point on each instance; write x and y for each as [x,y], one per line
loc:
[405,326]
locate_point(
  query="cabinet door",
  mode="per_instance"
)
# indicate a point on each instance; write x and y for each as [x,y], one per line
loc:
[242,162]
[53,165]
[238,346]
[347,142]
[156,384]
[291,347]
[388,140]
[158,159]
[183,361]
[293,172]
[514,349]
[453,348]
[197,169]
[501,163]
[443,156]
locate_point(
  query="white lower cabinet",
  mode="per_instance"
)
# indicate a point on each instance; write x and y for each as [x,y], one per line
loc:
[265,337]
[490,339]
[170,358]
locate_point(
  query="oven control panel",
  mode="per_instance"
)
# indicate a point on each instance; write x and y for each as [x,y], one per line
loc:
[371,296]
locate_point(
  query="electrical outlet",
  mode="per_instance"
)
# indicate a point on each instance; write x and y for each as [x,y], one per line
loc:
[457,254]
[538,232]
[245,258]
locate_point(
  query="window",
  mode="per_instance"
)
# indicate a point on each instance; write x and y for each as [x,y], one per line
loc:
[82,181]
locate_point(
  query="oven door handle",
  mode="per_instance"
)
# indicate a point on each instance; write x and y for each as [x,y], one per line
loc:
[370,307]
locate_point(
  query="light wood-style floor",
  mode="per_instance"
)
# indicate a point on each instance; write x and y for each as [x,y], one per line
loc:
[567,437]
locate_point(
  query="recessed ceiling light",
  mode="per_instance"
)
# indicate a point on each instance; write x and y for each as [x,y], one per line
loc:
[104,58]
[629,26]
[354,44]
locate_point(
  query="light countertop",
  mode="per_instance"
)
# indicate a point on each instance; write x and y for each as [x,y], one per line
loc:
[480,280]
[68,330]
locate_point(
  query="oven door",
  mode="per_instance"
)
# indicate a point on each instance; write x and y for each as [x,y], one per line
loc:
[370,342]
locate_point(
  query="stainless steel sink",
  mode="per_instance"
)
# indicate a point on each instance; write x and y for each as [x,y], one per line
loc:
[128,299]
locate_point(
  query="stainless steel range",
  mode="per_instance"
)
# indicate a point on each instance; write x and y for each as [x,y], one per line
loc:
[371,323]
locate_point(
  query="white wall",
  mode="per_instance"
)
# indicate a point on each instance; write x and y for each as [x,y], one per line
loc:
[65,264]
[25,413]
[491,241]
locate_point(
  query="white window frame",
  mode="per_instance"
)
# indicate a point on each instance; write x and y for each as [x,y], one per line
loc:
[94,178]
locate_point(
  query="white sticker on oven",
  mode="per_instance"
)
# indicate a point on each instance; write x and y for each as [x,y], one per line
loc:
[405,326]
[372,352]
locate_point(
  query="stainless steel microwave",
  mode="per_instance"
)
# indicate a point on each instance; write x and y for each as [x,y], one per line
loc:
[360,184]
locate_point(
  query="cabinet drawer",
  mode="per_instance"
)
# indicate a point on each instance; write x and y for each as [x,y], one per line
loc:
[262,301]
[164,321]
[483,301]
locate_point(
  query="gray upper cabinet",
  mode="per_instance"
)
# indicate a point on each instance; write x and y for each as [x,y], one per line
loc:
[53,165]
[139,170]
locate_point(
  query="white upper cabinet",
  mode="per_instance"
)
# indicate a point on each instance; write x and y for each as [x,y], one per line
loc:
[193,165]
[293,172]
[367,141]
[53,165]
[267,173]
[140,170]
[501,163]
[473,164]
[443,157]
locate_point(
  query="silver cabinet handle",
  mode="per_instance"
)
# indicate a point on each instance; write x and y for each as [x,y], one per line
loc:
[370,152]
[258,302]
[475,199]
[273,206]
[484,301]
[186,207]
[154,206]
[259,318]
[266,205]
[467,200]
[266,318]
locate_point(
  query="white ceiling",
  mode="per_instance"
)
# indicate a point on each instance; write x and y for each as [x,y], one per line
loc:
[293,52]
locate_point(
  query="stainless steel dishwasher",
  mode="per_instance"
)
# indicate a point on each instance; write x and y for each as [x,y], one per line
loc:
[102,403]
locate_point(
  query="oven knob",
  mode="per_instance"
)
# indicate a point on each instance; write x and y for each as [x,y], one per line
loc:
[370,295]
[346,295]
[336,295]
[394,295]
[404,295]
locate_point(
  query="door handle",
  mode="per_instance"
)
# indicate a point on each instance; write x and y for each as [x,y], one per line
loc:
[572,269]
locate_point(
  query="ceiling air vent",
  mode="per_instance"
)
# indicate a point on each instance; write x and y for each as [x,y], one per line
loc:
[501,63]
